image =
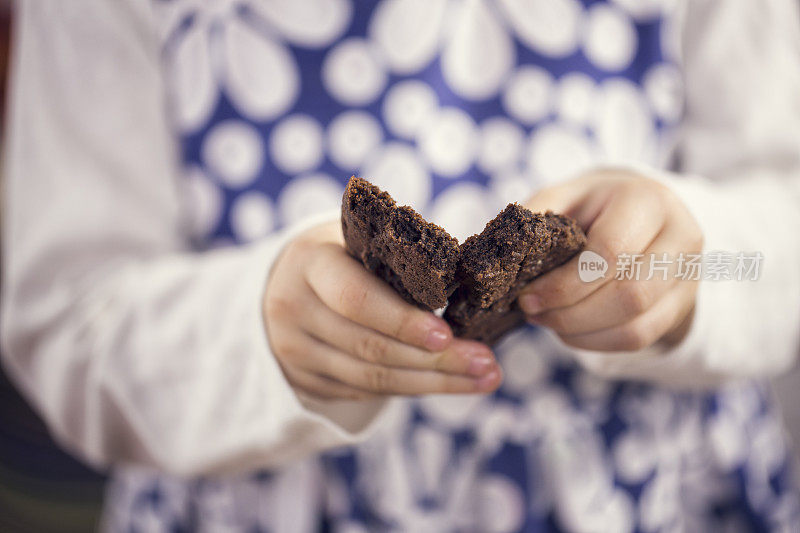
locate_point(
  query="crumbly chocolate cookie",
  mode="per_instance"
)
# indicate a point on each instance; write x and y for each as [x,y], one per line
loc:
[414,256]
[513,249]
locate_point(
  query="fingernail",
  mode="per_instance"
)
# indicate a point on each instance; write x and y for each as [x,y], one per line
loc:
[489,381]
[530,303]
[437,340]
[480,364]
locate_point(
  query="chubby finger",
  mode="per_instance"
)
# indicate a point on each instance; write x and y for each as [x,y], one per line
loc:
[379,379]
[621,300]
[564,198]
[628,223]
[460,357]
[644,330]
[346,287]
[324,388]
[579,200]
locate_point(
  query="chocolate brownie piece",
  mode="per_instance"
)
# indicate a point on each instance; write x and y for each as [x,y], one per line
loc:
[513,249]
[415,257]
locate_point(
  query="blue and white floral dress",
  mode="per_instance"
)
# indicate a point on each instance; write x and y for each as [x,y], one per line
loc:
[456,108]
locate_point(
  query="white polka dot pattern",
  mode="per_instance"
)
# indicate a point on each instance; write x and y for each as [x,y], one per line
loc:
[352,136]
[528,96]
[448,140]
[252,216]
[462,210]
[502,505]
[407,105]
[307,195]
[557,152]
[501,144]
[353,73]
[623,123]
[233,150]
[610,39]
[575,98]
[663,87]
[296,144]
[398,169]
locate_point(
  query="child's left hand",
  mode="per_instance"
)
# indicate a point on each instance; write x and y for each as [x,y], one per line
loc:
[622,213]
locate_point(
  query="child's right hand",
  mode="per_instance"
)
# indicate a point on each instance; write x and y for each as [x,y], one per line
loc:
[339,332]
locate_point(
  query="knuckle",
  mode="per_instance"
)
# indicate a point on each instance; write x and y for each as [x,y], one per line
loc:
[612,248]
[445,385]
[352,297]
[633,187]
[554,291]
[635,297]
[452,385]
[543,197]
[556,321]
[404,324]
[550,293]
[292,379]
[280,306]
[648,190]
[633,337]
[359,396]
[284,349]
[659,203]
[657,191]
[372,348]
[452,360]
[298,248]
[379,379]
[350,395]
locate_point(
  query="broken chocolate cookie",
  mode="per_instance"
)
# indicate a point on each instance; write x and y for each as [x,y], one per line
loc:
[414,256]
[513,249]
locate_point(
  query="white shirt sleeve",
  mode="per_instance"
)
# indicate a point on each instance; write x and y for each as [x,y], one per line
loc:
[133,348]
[739,159]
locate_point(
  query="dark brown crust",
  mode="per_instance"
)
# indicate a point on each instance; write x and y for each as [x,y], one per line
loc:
[513,249]
[425,265]
[414,256]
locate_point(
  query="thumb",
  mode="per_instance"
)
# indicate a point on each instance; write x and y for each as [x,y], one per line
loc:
[568,198]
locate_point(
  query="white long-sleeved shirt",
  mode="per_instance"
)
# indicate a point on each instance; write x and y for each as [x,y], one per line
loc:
[136,349]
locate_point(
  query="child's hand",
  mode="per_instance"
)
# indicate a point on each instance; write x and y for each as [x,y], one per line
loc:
[341,333]
[623,213]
